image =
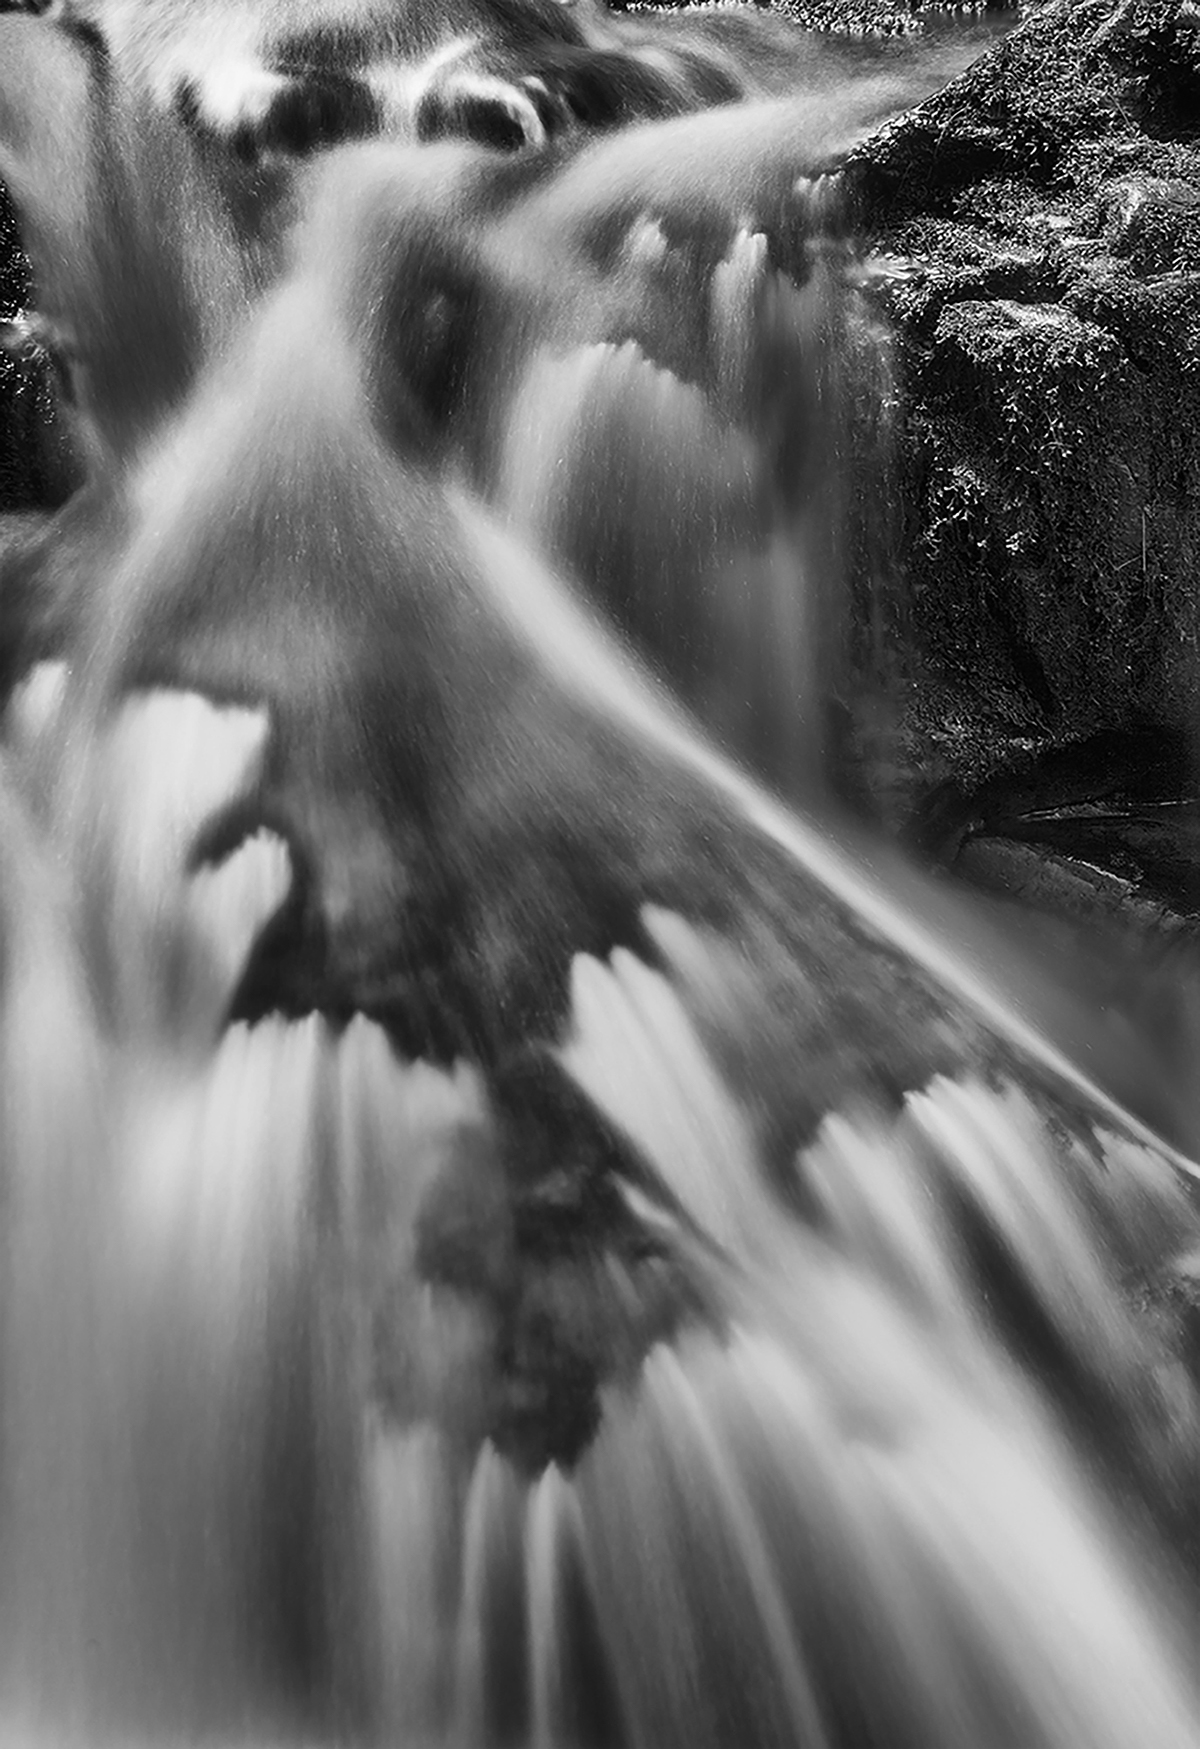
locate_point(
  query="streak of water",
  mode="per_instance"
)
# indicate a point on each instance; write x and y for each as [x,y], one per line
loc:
[726,564]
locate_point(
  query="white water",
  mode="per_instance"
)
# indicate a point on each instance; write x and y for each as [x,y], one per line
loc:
[725,563]
[846,1516]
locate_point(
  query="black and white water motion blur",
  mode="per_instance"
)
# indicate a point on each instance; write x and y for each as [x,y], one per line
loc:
[514,1232]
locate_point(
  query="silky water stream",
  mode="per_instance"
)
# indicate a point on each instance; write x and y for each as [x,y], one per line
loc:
[762,1338]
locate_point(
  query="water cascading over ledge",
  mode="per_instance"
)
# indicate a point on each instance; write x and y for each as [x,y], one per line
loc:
[719,483]
[252,1294]
[683,1308]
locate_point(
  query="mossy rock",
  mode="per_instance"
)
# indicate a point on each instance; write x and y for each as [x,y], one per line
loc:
[1042,220]
[28,475]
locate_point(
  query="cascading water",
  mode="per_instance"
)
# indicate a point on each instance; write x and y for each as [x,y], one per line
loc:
[843,1517]
[353,1397]
[726,563]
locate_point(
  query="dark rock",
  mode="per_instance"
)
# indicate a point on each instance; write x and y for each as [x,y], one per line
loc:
[1041,220]
[35,465]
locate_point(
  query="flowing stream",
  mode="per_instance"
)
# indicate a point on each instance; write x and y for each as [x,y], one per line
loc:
[895,1443]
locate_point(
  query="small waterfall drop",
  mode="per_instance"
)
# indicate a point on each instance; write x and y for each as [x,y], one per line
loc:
[705,502]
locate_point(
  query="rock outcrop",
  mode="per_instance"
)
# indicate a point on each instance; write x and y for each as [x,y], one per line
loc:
[1042,218]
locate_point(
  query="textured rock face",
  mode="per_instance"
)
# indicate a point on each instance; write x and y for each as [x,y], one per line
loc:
[27,477]
[1044,213]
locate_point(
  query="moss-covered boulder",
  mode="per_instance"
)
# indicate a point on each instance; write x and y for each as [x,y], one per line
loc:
[1041,220]
[29,475]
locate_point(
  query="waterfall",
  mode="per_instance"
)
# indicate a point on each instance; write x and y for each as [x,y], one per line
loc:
[515,1238]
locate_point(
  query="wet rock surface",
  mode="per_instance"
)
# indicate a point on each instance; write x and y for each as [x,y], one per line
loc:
[1042,220]
[27,474]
